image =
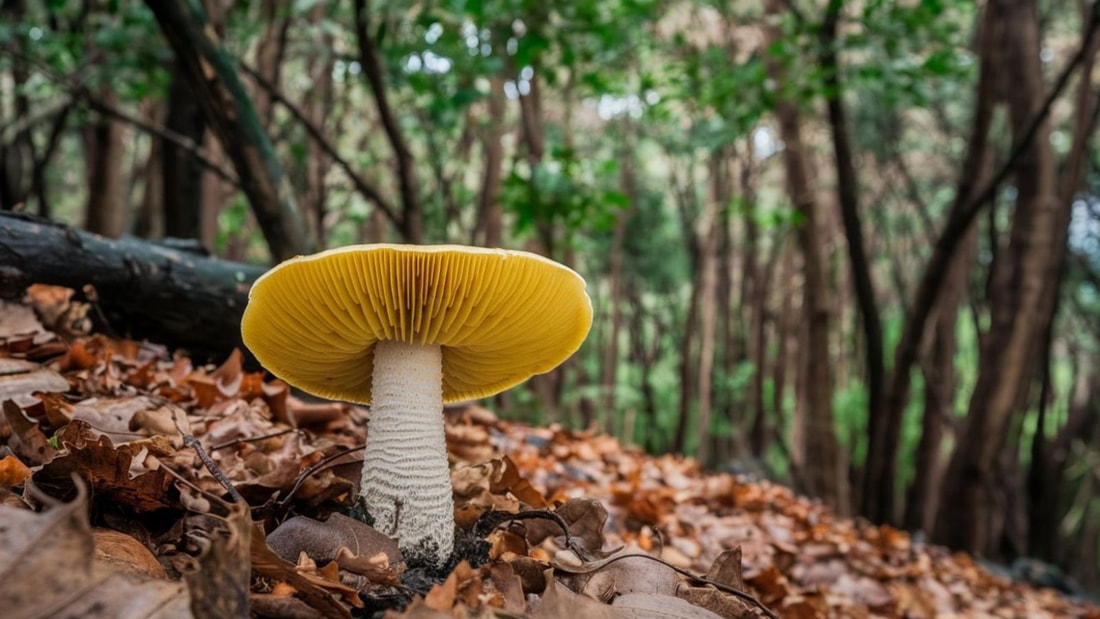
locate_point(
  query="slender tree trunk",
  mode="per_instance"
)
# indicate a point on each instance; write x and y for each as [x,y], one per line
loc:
[874,505]
[1018,296]
[615,284]
[939,391]
[489,230]
[149,222]
[105,209]
[787,344]
[17,157]
[686,203]
[824,471]
[269,54]
[183,174]
[708,292]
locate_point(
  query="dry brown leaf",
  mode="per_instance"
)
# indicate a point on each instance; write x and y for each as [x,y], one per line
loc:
[125,554]
[558,602]
[652,606]
[13,473]
[441,597]
[20,379]
[270,565]
[323,541]
[25,438]
[33,546]
[120,474]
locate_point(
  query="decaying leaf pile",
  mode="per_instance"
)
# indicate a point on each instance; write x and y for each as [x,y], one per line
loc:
[111,505]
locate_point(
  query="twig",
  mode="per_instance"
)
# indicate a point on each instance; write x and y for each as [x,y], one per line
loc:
[369,191]
[316,468]
[252,439]
[493,519]
[192,442]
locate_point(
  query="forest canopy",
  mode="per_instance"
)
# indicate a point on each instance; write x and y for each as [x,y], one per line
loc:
[851,246]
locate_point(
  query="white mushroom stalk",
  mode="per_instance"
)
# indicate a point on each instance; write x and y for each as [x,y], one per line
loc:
[406,483]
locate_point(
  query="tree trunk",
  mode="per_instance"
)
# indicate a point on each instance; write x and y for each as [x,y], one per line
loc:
[149,221]
[686,204]
[18,156]
[183,174]
[708,301]
[105,209]
[489,230]
[269,55]
[921,503]
[824,471]
[615,284]
[1019,293]
[212,74]
[873,505]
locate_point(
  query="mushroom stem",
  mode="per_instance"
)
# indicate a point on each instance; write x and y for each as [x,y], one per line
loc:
[406,479]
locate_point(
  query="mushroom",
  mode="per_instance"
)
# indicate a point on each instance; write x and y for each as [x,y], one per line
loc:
[406,328]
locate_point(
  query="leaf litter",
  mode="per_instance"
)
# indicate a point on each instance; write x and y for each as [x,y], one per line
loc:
[134,483]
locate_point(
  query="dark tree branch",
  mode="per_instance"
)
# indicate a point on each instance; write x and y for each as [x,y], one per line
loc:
[411,221]
[368,191]
[163,133]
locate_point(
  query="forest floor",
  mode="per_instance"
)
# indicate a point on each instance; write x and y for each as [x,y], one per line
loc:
[110,503]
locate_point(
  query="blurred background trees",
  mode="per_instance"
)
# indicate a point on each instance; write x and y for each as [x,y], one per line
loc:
[849,245]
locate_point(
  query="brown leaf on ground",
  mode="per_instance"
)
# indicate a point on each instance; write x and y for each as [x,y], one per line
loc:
[13,473]
[267,564]
[124,474]
[19,380]
[125,554]
[324,540]
[48,569]
[24,437]
[558,602]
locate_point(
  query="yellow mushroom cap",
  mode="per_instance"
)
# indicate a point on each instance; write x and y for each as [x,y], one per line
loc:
[499,316]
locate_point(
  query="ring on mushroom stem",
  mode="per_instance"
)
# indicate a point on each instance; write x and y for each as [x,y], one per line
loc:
[407,328]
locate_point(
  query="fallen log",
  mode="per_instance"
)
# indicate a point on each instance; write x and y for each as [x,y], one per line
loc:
[142,289]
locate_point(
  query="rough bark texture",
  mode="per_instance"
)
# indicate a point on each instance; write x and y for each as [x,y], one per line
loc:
[1019,296]
[824,476]
[216,86]
[144,290]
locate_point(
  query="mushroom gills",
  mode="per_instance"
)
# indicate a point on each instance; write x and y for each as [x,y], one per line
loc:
[406,483]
